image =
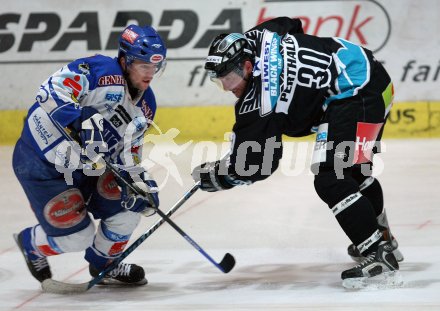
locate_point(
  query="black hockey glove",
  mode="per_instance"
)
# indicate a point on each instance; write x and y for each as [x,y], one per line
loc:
[135,202]
[210,179]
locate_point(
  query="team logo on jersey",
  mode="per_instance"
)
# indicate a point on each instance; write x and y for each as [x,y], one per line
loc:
[129,35]
[84,68]
[66,209]
[116,121]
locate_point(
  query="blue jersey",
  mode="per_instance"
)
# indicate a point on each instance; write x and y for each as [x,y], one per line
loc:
[96,81]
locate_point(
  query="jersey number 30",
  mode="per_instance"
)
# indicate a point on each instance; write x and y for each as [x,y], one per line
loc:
[313,69]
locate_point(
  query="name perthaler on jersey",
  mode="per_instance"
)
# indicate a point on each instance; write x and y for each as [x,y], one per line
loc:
[290,70]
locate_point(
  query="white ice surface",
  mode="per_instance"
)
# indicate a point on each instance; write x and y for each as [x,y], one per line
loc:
[288,246]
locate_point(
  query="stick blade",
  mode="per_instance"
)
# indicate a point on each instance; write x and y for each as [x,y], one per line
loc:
[57,287]
[227,263]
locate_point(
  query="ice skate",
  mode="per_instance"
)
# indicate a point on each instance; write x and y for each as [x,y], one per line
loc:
[354,253]
[37,265]
[379,270]
[382,221]
[123,274]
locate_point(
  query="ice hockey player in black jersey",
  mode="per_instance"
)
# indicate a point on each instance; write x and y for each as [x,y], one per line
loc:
[290,83]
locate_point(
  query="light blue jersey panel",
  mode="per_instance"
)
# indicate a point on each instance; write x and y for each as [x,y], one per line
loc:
[353,70]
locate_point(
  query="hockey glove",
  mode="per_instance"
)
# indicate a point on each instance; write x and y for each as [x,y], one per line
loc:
[210,179]
[136,202]
[90,129]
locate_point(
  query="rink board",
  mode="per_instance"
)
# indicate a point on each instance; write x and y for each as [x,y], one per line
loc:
[198,123]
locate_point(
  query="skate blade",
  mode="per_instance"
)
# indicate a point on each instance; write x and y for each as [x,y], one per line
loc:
[116,283]
[386,280]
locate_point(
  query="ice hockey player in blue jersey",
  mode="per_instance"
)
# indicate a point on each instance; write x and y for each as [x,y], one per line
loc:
[107,104]
[290,83]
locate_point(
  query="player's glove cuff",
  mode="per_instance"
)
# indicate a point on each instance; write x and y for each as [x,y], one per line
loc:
[136,202]
[210,179]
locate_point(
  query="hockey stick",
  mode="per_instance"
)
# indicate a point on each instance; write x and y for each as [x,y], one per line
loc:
[57,287]
[228,260]
[226,265]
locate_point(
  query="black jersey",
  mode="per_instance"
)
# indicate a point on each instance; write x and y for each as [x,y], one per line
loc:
[295,77]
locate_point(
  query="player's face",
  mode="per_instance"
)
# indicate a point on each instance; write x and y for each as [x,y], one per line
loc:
[236,83]
[141,74]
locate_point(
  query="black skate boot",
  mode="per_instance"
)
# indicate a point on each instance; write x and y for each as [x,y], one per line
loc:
[382,221]
[379,263]
[37,265]
[354,253]
[123,274]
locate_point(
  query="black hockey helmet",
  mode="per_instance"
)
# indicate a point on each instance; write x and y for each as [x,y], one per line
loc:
[227,52]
